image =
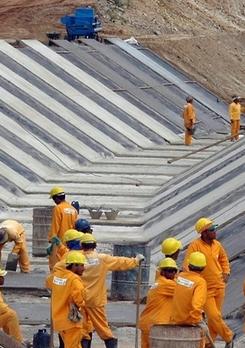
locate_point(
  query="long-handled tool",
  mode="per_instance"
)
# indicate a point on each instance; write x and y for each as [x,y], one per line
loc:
[138,304]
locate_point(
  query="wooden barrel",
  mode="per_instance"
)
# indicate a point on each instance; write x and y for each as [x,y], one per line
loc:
[41,224]
[174,336]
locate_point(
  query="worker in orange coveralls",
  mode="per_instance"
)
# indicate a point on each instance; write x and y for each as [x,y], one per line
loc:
[64,217]
[170,248]
[216,274]
[68,299]
[13,231]
[190,293]
[94,278]
[159,300]
[235,116]
[9,321]
[189,116]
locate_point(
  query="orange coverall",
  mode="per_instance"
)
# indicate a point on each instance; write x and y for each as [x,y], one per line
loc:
[16,234]
[189,116]
[158,307]
[67,288]
[9,321]
[217,264]
[94,279]
[235,116]
[63,218]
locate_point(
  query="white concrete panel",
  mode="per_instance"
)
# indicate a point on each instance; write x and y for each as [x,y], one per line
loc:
[13,176]
[61,110]
[52,154]
[50,127]
[74,95]
[102,90]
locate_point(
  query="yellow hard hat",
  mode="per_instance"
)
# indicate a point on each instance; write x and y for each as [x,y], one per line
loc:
[88,238]
[170,246]
[3,272]
[203,224]
[56,191]
[167,263]
[197,259]
[75,257]
[72,235]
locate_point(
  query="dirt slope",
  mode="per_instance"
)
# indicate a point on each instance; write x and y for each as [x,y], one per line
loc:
[204,37]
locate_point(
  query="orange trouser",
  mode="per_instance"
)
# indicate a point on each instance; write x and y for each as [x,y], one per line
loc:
[24,261]
[97,315]
[53,258]
[235,128]
[188,137]
[213,308]
[72,337]
[9,322]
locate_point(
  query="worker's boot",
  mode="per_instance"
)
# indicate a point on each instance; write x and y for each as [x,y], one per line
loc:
[111,343]
[86,343]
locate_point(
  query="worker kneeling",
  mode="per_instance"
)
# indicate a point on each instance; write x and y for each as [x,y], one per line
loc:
[190,294]
[68,299]
[13,231]
[9,321]
[159,300]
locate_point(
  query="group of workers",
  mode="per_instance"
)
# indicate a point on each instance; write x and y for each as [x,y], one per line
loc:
[197,291]
[77,281]
[189,116]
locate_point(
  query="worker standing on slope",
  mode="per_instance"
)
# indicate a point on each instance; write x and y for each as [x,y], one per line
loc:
[94,278]
[64,216]
[159,300]
[68,299]
[170,247]
[190,293]
[189,115]
[216,274]
[13,231]
[9,321]
[235,116]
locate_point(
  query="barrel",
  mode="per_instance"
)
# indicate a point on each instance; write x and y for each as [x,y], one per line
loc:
[175,336]
[124,283]
[41,225]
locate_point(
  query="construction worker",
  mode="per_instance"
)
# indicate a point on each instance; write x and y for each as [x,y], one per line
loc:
[9,321]
[235,116]
[159,300]
[190,293]
[170,247]
[94,278]
[216,274]
[68,299]
[189,116]
[83,225]
[13,231]
[63,218]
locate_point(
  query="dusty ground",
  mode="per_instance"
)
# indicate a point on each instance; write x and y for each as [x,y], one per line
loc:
[206,38]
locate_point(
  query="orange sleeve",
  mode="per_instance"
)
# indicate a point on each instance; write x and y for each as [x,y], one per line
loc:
[78,293]
[119,263]
[224,261]
[198,301]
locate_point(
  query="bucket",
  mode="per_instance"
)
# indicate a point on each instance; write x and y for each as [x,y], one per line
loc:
[95,213]
[41,224]
[12,261]
[175,336]
[111,215]
[124,283]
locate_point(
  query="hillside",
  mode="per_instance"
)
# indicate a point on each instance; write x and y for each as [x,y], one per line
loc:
[205,38]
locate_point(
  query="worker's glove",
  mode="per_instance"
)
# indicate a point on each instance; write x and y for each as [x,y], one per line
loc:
[203,325]
[140,258]
[225,277]
[55,241]
[74,314]
[49,249]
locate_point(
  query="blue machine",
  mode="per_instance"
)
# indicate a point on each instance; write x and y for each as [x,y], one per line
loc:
[83,22]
